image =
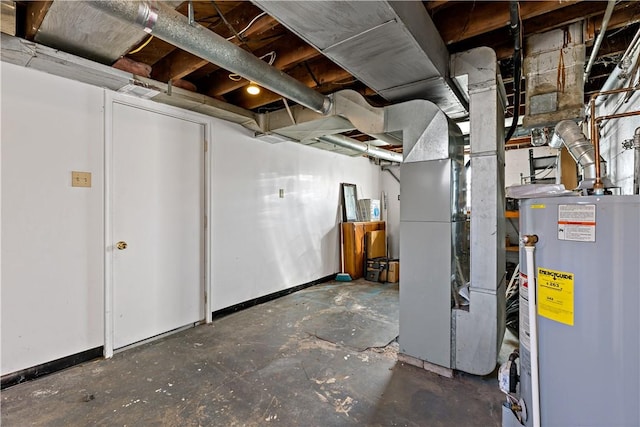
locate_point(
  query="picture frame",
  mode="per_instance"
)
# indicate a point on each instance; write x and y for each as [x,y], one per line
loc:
[349,195]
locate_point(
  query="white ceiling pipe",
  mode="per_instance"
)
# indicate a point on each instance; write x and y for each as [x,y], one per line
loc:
[174,28]
[355,145]
[598,42]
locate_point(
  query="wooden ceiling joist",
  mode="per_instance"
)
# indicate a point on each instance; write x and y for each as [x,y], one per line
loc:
[36,11]
[470,20]
[290,51]
[179,64]
[323,70]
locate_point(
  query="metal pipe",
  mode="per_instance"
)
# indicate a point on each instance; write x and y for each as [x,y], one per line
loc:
[514,9]
[174,28]
[392,174]
[355,145]
[529,247]
[582,151]
[598,42]
[598,186]
[616,77]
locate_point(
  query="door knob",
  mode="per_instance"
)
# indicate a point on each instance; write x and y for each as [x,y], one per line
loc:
[121,245]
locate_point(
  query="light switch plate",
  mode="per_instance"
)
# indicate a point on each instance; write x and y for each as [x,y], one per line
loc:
[80,179]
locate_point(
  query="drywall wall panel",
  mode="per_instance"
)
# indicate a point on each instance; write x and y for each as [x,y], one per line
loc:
[261,242]
[52,244]
[613,133]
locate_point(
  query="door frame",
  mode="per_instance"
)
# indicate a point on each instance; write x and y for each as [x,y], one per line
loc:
[111,98]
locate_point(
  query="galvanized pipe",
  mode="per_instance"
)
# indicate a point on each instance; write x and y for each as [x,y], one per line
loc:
[355,145]
[582,151]
[598,42]
[173,27]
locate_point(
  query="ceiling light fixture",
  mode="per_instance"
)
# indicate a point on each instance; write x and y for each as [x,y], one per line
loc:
[253,89]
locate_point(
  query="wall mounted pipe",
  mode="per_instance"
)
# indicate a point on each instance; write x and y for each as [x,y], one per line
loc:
[617,76]
[598,42]
[354,144]
[174,28]
[598,186]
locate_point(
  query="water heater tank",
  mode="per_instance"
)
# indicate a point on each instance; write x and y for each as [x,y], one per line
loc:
[587,270]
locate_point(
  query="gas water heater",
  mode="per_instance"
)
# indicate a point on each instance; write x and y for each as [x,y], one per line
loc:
[586,270]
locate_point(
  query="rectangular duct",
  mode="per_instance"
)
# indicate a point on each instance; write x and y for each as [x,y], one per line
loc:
[392,47]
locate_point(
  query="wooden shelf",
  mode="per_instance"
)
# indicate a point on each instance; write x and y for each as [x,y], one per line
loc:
[512,248]
[512,214]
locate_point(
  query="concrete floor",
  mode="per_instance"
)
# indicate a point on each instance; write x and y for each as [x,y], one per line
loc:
[324,356]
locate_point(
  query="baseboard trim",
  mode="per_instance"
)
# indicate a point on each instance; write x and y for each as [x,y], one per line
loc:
[266,298]
[38,371]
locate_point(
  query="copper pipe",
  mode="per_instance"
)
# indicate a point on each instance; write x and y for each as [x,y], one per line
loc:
[598,186]
[618,116]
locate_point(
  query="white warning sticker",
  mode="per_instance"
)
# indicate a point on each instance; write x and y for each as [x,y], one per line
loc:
[577,223]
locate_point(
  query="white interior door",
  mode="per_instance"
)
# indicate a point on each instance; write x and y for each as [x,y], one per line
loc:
[157,207]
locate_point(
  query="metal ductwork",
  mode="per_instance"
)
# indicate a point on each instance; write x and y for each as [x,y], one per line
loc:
[583,152]
[568,133]
[175,28]
[38,57]
[362,147]
[76,27]
[393,47]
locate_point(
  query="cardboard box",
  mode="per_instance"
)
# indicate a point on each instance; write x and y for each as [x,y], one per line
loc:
[391,272]
[376,244]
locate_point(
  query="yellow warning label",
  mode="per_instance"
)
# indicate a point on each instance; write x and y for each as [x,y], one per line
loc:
[538,206]
[555,295]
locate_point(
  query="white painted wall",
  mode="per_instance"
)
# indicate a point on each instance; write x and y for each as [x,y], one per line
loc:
[612,134]
[262,243]
[52,234]
[52,244]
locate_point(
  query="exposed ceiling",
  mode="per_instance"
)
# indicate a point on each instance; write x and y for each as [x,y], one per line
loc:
[462,25]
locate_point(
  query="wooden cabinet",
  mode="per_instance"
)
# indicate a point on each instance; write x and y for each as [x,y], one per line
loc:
[353,234]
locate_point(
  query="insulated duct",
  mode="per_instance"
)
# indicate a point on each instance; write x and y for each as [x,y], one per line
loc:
[173,27]
[568,133]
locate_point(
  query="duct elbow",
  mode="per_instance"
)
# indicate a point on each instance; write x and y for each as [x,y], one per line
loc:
[568,133]
[327,106]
